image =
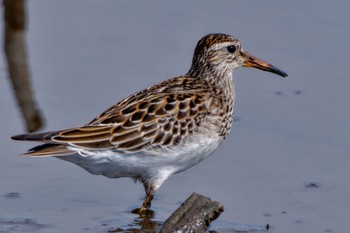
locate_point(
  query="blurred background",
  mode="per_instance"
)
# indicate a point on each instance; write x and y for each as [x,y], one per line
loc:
[285,162]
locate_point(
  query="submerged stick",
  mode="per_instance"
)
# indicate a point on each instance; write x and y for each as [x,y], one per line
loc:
[18,68]
[194,215]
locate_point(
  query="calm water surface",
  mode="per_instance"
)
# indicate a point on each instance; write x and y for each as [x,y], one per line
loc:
[286,162]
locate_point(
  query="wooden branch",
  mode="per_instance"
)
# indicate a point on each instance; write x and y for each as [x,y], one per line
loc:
[194,215]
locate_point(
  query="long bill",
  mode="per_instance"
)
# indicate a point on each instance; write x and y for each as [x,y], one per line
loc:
[251,61]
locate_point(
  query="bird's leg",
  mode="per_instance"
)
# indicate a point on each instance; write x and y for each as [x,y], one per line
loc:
[150,191]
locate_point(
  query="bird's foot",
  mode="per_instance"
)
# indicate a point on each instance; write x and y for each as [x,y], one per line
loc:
[143,212]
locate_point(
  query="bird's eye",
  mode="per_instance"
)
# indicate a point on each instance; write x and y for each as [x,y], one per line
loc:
[231,48]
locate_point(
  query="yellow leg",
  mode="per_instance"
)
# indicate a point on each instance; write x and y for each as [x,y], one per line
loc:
[146,205]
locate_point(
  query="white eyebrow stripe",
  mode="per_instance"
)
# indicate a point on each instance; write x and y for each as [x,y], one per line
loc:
[222,45]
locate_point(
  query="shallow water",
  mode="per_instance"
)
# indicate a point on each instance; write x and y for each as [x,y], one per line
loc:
[286,162]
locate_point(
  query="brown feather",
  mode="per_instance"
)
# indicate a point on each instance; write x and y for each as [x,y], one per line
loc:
[162,115]
[49,149]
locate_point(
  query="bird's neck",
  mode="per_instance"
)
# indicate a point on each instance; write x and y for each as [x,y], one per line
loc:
[219,77]
[222,88]
[220,81]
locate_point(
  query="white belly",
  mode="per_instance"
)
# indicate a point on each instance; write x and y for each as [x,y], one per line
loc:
[160,162]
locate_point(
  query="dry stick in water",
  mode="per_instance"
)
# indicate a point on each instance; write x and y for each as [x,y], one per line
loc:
[194,215]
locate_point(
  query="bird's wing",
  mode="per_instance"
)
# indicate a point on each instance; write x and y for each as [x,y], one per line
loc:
[144,120]
[162,115]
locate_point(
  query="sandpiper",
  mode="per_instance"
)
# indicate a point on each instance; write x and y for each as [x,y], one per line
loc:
[162,130]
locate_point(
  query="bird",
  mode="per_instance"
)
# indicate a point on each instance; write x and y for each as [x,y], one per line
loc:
[163,129]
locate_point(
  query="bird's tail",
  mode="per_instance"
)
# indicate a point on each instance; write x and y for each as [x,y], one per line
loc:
[45,136]
[47,149]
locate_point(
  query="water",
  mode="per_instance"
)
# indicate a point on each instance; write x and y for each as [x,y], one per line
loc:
[286,162]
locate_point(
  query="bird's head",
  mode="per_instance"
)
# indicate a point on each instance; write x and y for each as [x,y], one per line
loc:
[221,54]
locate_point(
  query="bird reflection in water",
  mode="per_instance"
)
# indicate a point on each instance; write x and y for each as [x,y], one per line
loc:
[146,223]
